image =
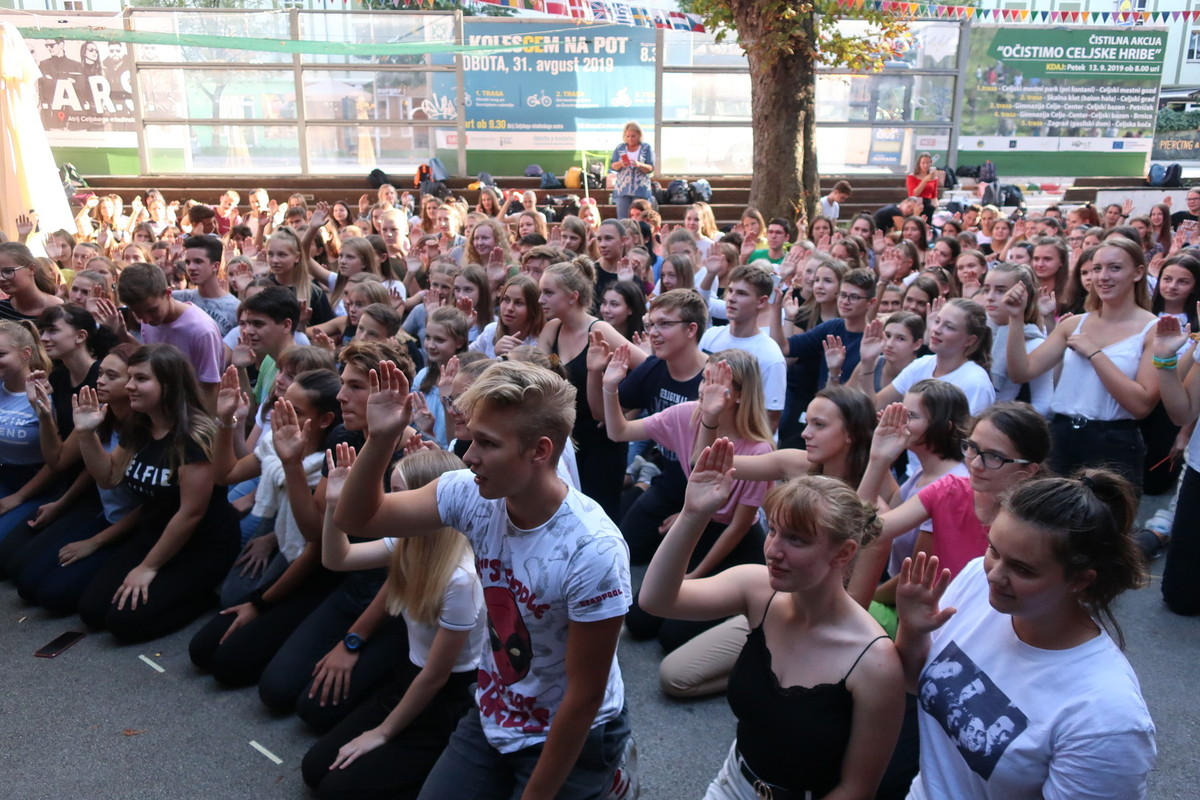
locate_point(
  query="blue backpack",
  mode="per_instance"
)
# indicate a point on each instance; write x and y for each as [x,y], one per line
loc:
[1157,176]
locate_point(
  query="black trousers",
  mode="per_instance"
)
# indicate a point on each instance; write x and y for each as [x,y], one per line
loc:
[181,591]
[241,659]
[286,681]
[1181,572]
[395,770]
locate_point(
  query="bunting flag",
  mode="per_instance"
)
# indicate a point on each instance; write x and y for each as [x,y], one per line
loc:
[621,12]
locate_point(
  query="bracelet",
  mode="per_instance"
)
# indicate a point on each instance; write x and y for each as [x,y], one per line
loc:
[705,424]
[1093,355]
[606,391]
[231,426]
[1166,363]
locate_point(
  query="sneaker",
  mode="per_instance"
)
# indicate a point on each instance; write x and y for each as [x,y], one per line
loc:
[625,783]
[1150,543]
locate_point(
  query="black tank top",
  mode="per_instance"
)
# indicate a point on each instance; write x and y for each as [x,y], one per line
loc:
[586,431]
[793,736]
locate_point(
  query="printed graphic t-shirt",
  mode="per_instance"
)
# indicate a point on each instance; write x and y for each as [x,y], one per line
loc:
[1002,720]
[573,568]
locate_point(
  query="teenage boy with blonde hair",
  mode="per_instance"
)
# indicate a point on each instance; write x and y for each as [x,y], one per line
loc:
[552,721]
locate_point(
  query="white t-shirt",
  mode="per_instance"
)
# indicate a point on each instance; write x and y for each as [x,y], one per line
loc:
[973,379]
[485,342]
[1028,723]
[462,610]
[761,346]
[1041,388]
[574,568]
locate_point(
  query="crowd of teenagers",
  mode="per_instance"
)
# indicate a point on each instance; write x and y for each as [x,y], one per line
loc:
[398,460]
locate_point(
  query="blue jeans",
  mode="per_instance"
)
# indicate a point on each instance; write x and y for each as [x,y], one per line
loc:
[471,769]
[623,202]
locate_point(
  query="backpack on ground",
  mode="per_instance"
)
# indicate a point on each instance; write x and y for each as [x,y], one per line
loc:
[967,171]
[440,173]
[1174,177]
[1011,195]
[701,191]
[551,181]
[677,193]
[486,179]
[574,178]
[951,179]
[378,178]
[987,173]
[435,188]
[595,175]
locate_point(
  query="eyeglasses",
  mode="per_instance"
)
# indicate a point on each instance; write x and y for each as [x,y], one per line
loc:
[8,273]
[651,327]
[851,298]
[450,401]
[990,460]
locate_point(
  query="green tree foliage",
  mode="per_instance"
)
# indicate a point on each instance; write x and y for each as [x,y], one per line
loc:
[784,42]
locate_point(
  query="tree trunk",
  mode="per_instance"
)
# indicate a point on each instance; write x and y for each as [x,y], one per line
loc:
[783,89]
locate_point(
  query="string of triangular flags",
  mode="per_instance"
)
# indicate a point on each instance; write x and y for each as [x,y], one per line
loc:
[622,13]
[939,11]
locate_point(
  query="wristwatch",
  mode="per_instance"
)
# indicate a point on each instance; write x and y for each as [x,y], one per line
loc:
[353,642]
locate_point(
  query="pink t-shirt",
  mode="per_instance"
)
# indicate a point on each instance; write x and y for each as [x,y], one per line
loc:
[673,429]
[958,535]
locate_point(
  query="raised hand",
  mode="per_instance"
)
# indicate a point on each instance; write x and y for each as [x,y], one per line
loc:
[599,353]
[555,235]
[892,436]
[835,354]
[1014,301]
[919,593]
[618,368]
[716,392]
[243,355]
[1127,206]
[287,432]
[1169,336]
[389,405]
[38,391]
[26,223]
[467,306]
[445,382]
[871,345]
[86,410]
[642,342]
[339,470]
[320,338]
[497,270]
[230,396]
[935,308]
[878,242]
[791,304]
[711,480]
[422,417]
[624,269]
[320,215]
[1047,302]
[823,243]
[748,247]
[416,444]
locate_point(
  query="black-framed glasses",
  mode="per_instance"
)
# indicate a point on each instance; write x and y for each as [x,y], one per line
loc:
[990,460]
[651,327]
[8,273]
[851,298]
[450,401]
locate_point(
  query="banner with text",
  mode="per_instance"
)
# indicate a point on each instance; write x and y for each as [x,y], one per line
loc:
[566,90]
[1058,101]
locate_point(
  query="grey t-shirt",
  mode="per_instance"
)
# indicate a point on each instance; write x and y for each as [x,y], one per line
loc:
[222,309]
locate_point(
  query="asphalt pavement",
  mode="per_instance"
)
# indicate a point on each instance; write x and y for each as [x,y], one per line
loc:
[101,723]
